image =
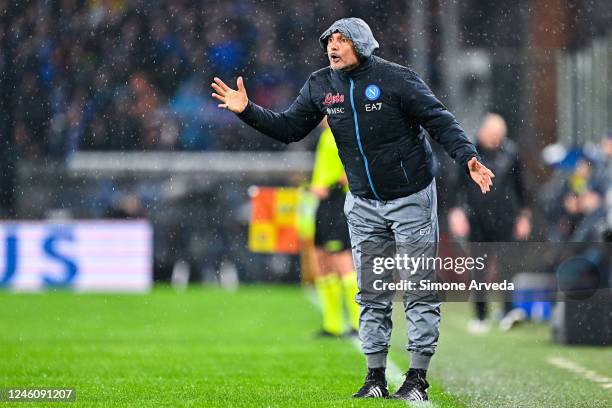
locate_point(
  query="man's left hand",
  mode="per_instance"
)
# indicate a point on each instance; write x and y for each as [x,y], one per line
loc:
[481,175]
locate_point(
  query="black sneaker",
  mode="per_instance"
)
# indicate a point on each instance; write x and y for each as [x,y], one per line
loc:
[414,387]
[375,385]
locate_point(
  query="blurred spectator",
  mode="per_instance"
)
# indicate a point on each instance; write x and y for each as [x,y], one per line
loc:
[577,200]
[128,206]
[592,217]
[187,107]
[503,216]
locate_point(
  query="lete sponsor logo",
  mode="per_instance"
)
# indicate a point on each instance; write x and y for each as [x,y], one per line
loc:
[331,99]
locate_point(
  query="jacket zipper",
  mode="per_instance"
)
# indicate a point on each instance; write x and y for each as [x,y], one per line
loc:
[358,136]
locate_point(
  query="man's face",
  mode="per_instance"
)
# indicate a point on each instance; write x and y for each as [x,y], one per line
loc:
[341,53]
[492,132]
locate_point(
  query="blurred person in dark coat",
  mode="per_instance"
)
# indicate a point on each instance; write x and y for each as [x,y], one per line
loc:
[502,217]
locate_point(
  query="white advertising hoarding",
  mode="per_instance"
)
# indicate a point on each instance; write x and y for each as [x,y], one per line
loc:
[88,255]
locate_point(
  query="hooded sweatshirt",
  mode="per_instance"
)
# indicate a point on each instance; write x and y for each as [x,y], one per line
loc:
[357,30]
[379,114]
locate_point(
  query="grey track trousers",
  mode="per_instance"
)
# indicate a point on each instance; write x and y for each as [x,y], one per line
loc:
[411,219]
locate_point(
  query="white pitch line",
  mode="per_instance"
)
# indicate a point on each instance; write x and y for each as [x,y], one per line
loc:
[394,374]
[602,381]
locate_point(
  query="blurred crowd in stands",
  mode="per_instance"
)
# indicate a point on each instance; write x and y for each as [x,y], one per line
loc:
[577,200]
[135,74]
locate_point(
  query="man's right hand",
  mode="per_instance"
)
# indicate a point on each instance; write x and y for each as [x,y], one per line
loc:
[236,101]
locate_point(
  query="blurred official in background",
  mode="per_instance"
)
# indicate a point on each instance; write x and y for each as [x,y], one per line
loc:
[503,216]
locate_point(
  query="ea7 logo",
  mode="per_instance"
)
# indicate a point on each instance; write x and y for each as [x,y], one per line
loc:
[373,106]
[425,231]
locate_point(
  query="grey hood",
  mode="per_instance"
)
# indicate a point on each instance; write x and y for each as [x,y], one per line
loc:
[356,30]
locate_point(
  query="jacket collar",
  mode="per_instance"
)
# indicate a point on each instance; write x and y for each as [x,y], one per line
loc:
[364,67]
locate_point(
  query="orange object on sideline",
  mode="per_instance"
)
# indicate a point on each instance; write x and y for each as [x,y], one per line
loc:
[273,225]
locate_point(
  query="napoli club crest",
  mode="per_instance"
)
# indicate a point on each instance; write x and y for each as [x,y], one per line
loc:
[372,92]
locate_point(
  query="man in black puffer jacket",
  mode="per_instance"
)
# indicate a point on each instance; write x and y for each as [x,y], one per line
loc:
[379,113]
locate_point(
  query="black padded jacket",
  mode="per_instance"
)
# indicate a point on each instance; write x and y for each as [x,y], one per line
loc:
[378,113]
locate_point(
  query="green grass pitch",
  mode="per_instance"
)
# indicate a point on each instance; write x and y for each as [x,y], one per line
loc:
[255,347]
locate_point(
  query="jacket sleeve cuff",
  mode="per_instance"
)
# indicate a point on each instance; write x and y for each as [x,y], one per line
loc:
[246,112]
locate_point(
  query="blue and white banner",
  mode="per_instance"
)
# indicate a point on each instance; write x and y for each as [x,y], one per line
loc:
[89,255]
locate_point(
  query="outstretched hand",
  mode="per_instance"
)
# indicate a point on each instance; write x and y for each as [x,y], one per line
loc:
[235,101]
[481,175]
